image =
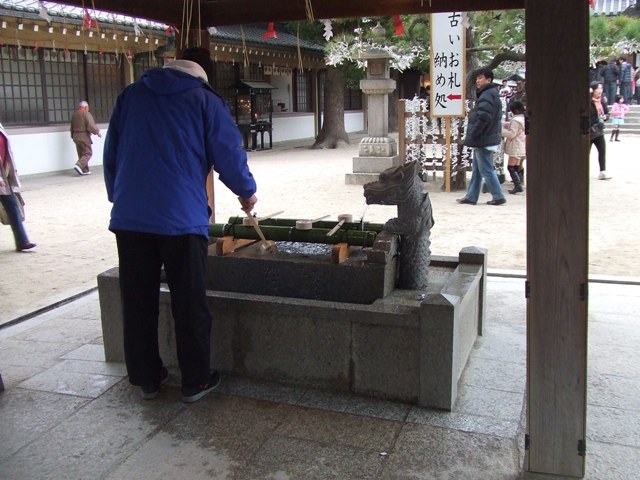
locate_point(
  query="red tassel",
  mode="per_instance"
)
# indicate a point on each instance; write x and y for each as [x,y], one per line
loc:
[171,30]
[87,21]
[271,31]
[397,22]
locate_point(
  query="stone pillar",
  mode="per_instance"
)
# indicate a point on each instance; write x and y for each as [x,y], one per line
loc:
[377,151]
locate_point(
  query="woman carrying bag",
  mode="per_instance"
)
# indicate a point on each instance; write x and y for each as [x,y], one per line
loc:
[599,115]
[8,198]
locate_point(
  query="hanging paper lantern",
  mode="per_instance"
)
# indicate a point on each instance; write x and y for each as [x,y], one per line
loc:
[271,31]
[397,22]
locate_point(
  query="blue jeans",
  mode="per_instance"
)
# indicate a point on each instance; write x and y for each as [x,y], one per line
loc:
[10,205]
[483,168]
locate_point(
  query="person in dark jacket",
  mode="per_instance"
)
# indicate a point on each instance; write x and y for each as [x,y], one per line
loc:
[167,131]
[484,131]
[610,76]
[626,79]
[599,115]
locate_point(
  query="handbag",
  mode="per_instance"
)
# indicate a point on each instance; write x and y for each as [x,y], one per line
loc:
[4,216]
[597,130]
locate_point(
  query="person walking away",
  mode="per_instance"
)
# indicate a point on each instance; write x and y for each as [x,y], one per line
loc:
[167,131]
[610,75]
[82,127]
[618,112]
[515,145]
[8,181]
[626,76]
[484,135]
[599,115]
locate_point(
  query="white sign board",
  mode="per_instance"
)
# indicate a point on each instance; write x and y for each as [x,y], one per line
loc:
[448,44]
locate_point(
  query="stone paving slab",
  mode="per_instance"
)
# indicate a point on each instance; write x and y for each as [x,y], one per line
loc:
[250,430]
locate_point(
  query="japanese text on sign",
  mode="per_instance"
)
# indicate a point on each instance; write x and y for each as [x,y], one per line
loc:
[447,64]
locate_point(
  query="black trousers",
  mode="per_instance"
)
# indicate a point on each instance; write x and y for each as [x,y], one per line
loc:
[184,258]
[601,146]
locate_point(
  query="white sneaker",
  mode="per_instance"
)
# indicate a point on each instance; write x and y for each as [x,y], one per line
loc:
[77,169]
[603,176]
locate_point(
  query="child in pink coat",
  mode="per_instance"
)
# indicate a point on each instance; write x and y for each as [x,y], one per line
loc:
[618,111]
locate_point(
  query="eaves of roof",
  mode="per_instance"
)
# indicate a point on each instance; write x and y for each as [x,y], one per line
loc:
[253,34]
[612,7]
[74,19]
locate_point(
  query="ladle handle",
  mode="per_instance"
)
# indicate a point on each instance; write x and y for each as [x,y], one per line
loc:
[336,228]
[319,218]
[271,215]
[254,222]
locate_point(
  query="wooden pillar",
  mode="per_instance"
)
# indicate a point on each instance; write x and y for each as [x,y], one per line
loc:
[557,234]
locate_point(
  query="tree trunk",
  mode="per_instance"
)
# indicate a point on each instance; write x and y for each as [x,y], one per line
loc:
[333,133]
[472,66]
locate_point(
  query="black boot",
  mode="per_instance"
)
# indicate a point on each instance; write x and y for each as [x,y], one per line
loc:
[613,135]
[617,134]
[517,185]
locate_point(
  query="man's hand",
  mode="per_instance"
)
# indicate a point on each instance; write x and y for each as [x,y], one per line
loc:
[248,203]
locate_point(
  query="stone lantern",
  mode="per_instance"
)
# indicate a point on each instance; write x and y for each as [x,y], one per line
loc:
[377,151]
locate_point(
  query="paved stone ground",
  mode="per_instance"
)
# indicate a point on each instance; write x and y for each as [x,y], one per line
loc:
[66,413]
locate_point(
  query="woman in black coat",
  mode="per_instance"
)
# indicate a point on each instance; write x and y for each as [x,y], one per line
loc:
[599,115]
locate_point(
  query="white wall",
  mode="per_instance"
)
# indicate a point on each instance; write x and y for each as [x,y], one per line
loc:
[354,121]
[50,149]
[282,92]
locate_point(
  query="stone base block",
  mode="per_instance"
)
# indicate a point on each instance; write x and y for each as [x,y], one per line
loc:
[360,178]
[374,164]
[410,346]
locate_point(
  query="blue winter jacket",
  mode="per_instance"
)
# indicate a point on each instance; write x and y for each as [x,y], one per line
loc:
[166,132]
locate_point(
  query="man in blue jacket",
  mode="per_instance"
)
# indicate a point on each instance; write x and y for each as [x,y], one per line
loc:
[167,131]
[484,135]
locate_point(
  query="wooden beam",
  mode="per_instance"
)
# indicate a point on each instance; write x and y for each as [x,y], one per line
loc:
[557,235]
[231,12]
[243,12]
[169,12]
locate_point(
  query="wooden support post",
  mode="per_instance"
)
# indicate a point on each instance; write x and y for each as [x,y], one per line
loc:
[339,252]
[447,158]
[229,244]
[402,133]
[557,236]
